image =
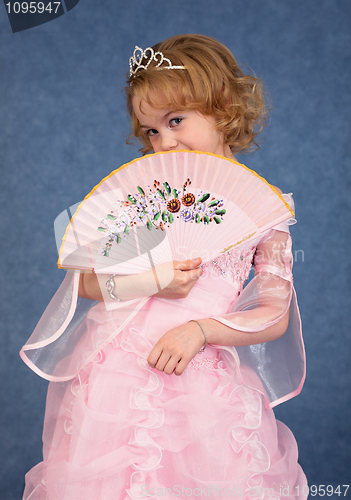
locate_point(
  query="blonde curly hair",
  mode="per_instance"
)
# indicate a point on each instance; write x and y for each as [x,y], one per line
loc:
[211,83]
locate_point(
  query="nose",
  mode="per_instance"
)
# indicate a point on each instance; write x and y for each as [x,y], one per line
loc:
[168,142]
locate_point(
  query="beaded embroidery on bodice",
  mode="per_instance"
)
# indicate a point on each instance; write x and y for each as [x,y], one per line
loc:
[233,265]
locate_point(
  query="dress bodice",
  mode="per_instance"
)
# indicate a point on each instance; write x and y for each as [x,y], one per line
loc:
[233,266]
[219,286]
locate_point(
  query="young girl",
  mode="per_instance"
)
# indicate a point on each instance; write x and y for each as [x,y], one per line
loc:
[169,406]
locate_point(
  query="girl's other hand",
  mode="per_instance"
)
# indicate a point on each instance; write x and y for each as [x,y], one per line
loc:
[176,348]
[186,274]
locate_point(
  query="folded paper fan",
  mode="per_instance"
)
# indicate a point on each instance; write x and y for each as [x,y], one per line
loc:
[169,206]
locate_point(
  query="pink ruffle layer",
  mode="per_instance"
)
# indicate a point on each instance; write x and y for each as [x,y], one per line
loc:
[121,430]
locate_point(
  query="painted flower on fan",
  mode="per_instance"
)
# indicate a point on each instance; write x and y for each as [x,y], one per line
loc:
[199,207]
[155,196]
[141,203]
[113,231]
[153,210]
[141,216]
[211,211]
[122,221]
[173,205]
[188,199]
[187,214]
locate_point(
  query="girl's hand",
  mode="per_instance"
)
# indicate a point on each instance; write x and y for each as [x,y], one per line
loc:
[176,348]
[181,276]
[186,274]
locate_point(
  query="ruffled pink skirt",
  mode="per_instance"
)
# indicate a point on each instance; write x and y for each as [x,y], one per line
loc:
[123,430]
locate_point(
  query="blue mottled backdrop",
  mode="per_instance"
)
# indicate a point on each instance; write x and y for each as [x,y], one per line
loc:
[63,127]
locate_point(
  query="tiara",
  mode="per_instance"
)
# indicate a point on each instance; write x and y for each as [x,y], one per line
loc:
[150,55]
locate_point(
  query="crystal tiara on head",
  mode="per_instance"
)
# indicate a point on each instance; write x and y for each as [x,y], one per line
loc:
[149,55]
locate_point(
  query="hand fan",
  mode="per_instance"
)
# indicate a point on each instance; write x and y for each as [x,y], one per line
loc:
[169,206]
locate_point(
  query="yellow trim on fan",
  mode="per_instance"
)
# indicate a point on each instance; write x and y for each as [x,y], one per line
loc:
[164,153]
[238,242]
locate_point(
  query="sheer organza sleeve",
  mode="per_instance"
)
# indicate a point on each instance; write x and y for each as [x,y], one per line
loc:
[62,342]
[266,299]
[280,364]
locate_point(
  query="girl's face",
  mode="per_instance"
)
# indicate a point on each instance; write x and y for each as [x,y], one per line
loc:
[180,130]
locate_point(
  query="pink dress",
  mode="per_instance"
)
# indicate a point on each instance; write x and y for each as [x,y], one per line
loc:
[117,429]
